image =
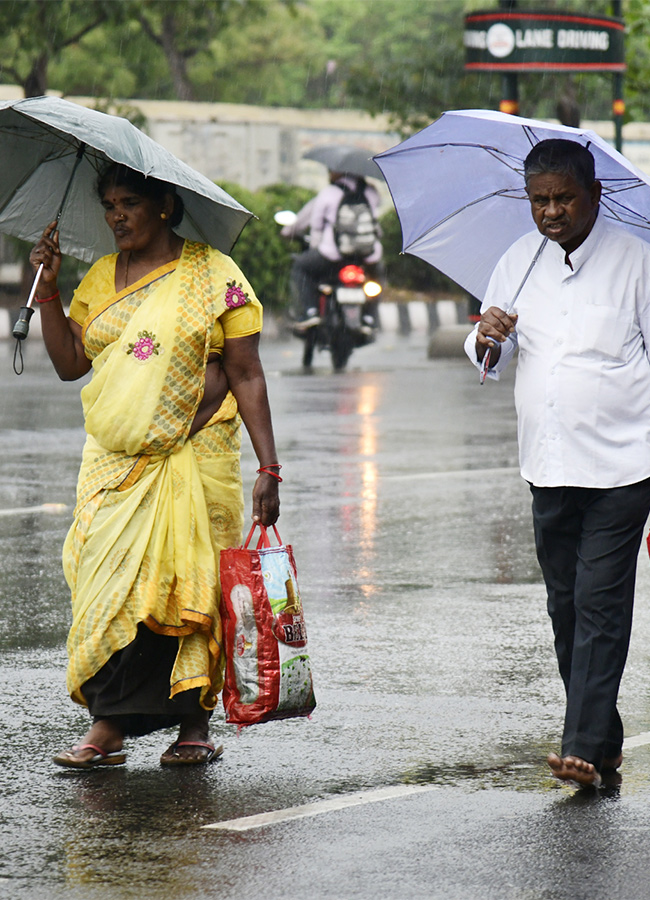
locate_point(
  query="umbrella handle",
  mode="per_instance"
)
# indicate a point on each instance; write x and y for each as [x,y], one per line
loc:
[32,293]
[21,328]
[486,359]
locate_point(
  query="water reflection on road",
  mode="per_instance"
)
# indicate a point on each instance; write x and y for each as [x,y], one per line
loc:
[432,662]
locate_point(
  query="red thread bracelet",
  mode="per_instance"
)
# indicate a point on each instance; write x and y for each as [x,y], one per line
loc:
[47,299]
[266,470]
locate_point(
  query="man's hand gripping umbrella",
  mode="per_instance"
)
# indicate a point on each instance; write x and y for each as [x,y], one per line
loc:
[498,324]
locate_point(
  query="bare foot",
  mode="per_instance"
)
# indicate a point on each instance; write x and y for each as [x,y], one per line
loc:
[610,764]
[103,736]
[572,768]
[192,747]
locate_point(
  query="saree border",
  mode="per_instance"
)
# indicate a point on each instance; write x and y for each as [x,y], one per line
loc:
[143,282]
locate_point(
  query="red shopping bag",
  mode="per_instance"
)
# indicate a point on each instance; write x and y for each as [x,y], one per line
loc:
[268,673]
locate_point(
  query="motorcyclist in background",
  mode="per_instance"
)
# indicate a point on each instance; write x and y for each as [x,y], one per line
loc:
[317,222]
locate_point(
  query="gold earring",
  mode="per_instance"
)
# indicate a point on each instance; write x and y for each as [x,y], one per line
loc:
[163,215]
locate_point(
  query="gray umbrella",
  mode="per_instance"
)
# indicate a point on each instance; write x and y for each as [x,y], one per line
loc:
[42,139]
[345,158]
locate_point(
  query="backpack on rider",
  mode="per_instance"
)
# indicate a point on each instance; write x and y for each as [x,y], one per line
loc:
[355,229]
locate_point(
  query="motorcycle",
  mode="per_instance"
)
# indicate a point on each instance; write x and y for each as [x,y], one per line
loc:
[346,309]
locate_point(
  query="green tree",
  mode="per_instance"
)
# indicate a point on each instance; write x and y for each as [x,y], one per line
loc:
[637,17]
[278,60]
[86,69]
[410,64]
[181,31]
[35,32]
[186,32]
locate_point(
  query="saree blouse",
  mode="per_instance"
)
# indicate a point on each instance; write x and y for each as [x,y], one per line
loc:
[243,315]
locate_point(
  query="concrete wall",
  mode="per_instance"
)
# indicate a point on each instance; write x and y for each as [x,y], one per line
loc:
[255,146]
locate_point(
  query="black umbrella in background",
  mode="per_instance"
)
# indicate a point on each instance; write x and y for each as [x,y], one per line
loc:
[347,159]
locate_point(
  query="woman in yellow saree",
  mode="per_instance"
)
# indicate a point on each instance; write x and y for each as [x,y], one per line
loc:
[170,329]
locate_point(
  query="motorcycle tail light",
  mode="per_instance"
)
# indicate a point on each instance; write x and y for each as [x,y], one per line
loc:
[372,289]
[352,275]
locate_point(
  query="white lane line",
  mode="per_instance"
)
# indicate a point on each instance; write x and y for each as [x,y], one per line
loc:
[452,473]
[45,507]
[345,801]
[638,740]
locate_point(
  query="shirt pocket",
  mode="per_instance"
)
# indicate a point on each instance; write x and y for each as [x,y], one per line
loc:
[604,331]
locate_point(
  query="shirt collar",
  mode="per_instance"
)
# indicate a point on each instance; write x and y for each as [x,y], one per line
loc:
[574,260]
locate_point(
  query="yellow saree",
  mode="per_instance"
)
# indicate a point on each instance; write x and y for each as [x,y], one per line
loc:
[154,508]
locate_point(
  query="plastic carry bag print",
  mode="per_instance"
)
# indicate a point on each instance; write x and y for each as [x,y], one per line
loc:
[268,674]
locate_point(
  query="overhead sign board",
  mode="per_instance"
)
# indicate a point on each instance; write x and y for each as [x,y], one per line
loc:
[500,41]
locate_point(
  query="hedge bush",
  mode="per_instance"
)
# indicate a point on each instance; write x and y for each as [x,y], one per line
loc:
[265,257]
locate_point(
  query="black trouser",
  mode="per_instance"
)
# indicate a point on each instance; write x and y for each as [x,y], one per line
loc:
[587,544]
[310,269]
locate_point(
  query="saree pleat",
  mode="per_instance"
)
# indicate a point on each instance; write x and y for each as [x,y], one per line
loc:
[154,508]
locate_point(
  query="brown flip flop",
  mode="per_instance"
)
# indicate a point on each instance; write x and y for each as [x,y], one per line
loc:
[101,758]
[178,760]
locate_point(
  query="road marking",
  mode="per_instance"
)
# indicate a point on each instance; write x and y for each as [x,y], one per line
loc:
[452,473]
[345,801]
[45,507]
[638,740]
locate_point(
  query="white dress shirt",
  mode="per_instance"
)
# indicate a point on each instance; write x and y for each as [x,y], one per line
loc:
[582,387]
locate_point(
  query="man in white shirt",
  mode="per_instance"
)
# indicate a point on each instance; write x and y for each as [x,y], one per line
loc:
[581,322]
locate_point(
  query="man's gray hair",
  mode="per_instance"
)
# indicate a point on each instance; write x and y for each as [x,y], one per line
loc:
[558,156]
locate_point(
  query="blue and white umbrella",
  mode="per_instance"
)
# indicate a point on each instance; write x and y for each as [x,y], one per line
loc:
[458,188]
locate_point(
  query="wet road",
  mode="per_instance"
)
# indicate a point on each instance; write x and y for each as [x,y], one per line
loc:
[432,659]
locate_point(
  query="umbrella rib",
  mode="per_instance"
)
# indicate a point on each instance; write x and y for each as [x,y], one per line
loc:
[502,192]
[470,145]
[24,181]
[643,225]
[504,162]
[42,135]
[189,217]
[634,218]
[65,149]
[613,198]
[44,131]
[623,185]
[528,131]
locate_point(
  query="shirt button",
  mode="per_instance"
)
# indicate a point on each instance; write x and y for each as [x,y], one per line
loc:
[565,312]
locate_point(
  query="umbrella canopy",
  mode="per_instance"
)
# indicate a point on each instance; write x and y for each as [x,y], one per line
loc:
[40,139]
[344,158]
[458,188]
